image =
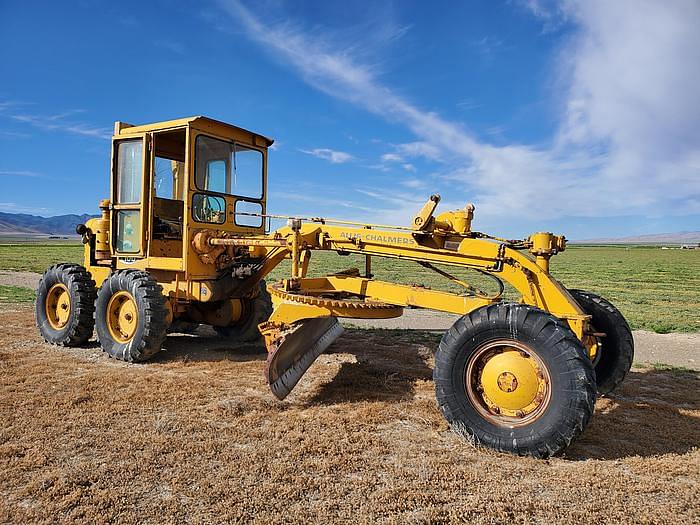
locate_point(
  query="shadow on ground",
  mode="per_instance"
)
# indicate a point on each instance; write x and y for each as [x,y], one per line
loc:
[385,366]
[654,412]
[205,345]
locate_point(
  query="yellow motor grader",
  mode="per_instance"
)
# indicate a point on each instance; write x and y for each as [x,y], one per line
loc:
[182,241]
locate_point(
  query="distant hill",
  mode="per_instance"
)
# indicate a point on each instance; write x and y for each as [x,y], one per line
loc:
[654,238]
[16,223]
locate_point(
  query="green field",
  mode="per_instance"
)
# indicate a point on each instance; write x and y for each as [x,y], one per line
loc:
[15,294]
[656,289]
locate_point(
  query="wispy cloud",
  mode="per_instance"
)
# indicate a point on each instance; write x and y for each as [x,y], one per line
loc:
[11,173]
[14,134]
[287,196]
[468,104]
[395,158]
[487,47]
[378,167]
[171,45]
[392,157]
[331,155]
[11,104]
[413,183]
[64,122]
[552,13]
[420,149]
[13,207]
[628,135]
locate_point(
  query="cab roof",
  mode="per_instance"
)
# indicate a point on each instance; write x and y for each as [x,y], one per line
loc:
[198,122]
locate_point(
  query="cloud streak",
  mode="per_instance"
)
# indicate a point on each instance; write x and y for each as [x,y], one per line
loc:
[11,173]
[62,122]
[331,155]
[13,207]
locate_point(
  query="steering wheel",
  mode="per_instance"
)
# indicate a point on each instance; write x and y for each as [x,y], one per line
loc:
[209,210]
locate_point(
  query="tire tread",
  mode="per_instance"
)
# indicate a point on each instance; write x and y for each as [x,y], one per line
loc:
[528,323]
[83,294]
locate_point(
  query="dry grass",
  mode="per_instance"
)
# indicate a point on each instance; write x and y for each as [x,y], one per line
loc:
[196,437]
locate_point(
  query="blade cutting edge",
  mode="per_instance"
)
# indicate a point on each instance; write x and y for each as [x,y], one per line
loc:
[292,358]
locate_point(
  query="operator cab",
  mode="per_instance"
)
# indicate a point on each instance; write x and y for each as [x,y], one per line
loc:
[172,178]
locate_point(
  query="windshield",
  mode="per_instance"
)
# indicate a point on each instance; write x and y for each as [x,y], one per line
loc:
[227,167]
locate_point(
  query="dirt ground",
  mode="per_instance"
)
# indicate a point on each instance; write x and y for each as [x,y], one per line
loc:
[23,279]
[196,437]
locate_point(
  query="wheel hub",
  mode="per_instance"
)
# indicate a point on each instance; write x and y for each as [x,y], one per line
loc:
[508,383]
[122,317]
[58,306]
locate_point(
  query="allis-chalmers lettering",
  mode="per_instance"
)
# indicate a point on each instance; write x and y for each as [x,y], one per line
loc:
[376,237]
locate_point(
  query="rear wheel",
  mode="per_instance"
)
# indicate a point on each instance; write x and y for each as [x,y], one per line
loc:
[515,379]
[615,348]
[256,310]
[130,316]
[65,302]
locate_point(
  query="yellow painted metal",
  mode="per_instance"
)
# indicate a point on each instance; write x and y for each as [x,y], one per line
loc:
[207,124]
[422,221]
[58,306]
[303,304]
[100,228]
[457,221]
[122,316]
[287,312]
[159,263]
[391,293]
[507,382]
[536,286]
[510,380]
[98,273]
[543,245]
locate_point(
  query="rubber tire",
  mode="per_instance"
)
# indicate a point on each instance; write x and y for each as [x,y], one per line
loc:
[82,292]
[617,347]
[152,325]
[573,391]
[257,310]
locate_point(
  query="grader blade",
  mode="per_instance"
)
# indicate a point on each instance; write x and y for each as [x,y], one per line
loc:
[295,351]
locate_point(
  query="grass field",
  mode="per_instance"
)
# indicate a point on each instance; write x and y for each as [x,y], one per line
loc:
[656,289]
[15,294]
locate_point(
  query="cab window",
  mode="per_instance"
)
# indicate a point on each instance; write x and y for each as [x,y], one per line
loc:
[129,171]
[229,168]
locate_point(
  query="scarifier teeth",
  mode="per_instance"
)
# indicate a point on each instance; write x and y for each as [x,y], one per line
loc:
[293,355]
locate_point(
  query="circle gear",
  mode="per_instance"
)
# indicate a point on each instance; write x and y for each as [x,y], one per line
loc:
[359,303]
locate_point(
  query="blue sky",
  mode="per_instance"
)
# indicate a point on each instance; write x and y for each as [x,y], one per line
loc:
[581,118]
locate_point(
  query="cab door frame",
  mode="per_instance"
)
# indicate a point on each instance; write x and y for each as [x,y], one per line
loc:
[141,206]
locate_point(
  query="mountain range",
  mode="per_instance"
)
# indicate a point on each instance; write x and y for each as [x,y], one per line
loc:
[652,238]
[24,223]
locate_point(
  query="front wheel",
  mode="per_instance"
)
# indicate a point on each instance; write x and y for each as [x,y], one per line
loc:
[516,379]
[131,316]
